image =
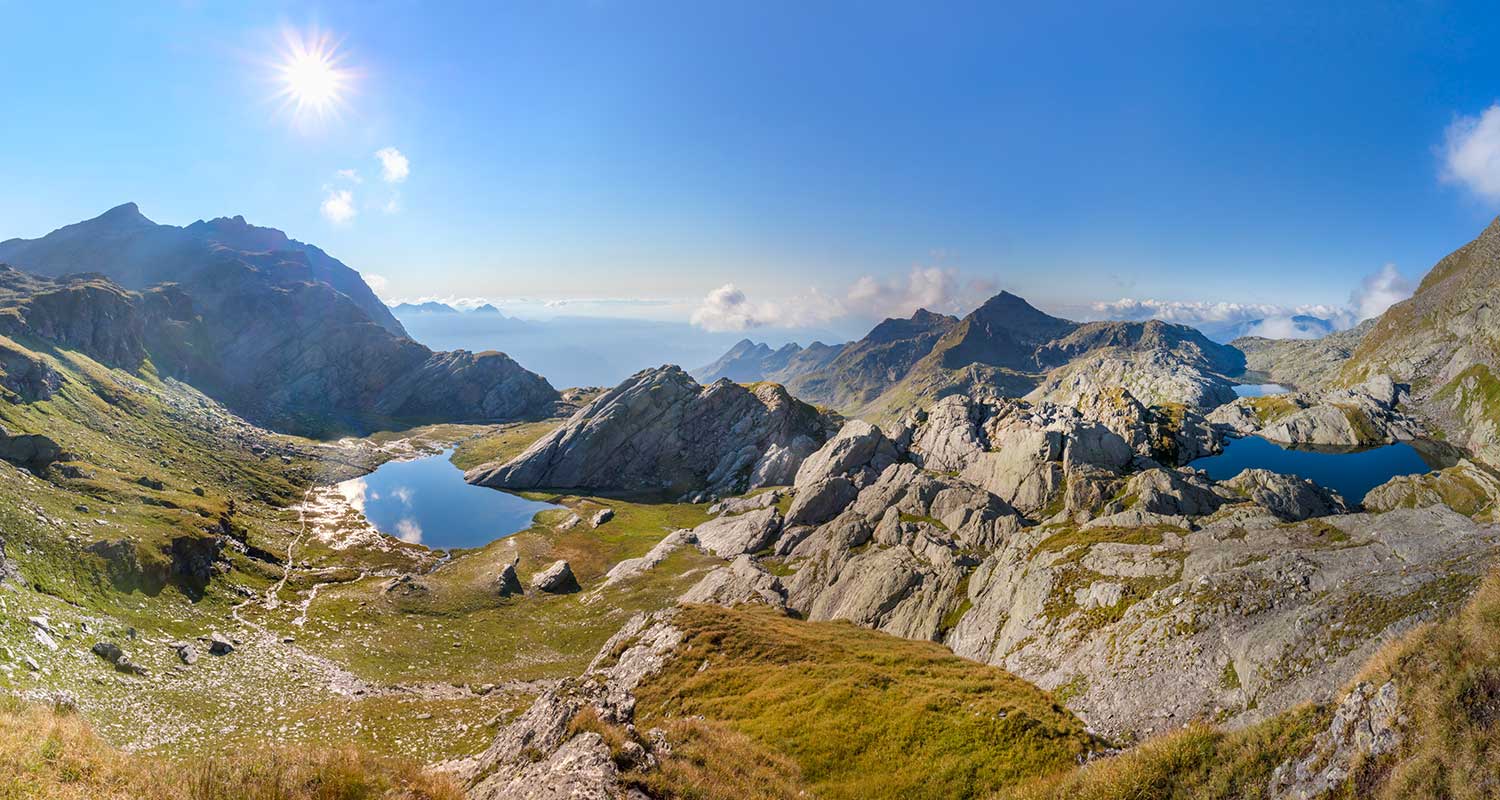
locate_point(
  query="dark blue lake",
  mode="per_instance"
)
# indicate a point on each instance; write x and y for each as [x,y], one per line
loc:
[1351,473]
[1259,389]
[425,501]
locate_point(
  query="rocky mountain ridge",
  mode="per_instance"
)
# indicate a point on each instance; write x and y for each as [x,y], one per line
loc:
[281,332]
[1005,345]
[662,431]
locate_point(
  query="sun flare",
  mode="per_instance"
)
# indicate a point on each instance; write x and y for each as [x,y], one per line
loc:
[311,78]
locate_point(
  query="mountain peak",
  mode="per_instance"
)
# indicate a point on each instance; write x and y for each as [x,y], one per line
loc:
[125,213]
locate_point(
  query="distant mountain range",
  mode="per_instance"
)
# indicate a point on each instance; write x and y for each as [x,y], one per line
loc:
[1006,344]
[1299,326]
[435,307]
[276,329]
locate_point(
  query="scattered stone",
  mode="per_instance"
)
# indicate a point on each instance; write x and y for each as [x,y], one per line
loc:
[186,652]
[602,516]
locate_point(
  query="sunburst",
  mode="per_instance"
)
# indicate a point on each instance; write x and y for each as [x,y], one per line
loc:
[311,77]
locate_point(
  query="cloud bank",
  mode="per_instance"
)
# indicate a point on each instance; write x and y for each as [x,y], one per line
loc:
[728,308]
[1376,292]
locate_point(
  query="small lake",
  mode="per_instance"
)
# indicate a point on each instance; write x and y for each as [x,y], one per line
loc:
[426,501]
[1259,389]
[1351,473]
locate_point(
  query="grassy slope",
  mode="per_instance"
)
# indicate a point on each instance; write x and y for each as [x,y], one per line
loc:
[122,427]
[860,714]
[52,753]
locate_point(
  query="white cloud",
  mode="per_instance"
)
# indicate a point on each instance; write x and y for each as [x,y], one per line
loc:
[1471,153]
[378,284]
[1378,292]
[338,205]
[1284,327]
[351,175]
[407,530]
[402,493]
[394,166]
[727,308]
[393,205]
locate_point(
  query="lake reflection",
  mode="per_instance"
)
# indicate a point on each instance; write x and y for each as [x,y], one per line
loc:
[426,501]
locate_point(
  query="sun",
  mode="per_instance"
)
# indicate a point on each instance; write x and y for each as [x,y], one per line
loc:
[311,78]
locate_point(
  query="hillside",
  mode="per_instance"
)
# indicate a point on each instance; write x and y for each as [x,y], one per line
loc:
[1443,341]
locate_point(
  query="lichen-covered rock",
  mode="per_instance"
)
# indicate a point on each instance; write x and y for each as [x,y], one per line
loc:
[660,430]
[1465,487]
[1287,496]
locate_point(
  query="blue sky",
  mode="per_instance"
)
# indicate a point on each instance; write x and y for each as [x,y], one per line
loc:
[811,154]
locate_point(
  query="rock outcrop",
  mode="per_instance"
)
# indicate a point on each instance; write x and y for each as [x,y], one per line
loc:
[662,431]
[1365,415]
[1052,541]
[32,451]
[543,756]
[1366,726]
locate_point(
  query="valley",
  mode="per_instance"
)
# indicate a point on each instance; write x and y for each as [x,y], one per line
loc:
[958,557]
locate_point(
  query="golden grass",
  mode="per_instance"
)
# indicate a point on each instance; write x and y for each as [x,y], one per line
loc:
[52,753]
[859,713]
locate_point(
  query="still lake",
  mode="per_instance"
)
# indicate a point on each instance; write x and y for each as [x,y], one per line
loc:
[1259,389]
[1351,473]
[426,501]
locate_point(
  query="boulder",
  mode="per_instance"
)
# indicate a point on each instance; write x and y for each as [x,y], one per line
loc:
[750,532]
[219,645]
[556,579]
[186,652]
[109,651]
[32,451]
[506,583]
[601,516]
